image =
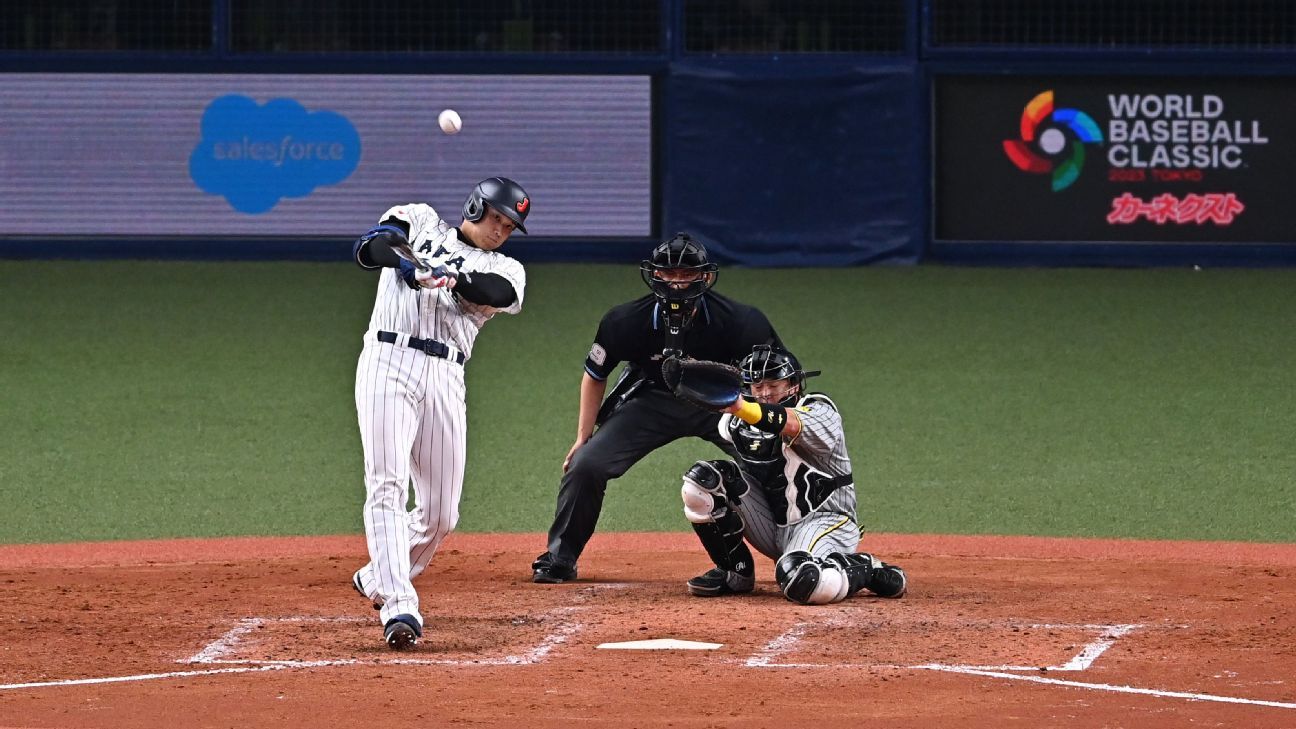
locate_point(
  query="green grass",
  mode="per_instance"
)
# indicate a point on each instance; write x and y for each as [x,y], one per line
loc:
[149,399]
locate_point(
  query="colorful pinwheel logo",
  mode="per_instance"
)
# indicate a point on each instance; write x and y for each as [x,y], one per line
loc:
[1042,126]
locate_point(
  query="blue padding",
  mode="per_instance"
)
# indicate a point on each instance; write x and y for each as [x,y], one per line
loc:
[788,165]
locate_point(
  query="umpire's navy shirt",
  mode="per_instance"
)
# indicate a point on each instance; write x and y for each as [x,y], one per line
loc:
[723,330]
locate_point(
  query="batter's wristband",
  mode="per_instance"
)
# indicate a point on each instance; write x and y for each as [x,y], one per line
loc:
[767,418]
[391,229]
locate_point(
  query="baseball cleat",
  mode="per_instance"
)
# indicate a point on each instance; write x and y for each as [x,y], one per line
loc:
[716,582]
[548,572]
[402,632]
[355,582]
[887,580]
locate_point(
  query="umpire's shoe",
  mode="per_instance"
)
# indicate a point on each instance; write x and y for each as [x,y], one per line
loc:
[546,570]
[402,632]
[715,582]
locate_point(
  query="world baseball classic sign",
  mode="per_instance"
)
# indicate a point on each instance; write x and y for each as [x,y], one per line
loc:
[1137,159]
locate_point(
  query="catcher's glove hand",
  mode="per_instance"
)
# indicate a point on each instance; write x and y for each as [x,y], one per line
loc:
[708,385]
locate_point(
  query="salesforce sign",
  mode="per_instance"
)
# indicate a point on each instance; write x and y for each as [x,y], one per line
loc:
[315,155]
[254,155]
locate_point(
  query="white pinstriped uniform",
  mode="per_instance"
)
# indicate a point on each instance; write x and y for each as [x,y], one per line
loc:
[820,448]
[410,406]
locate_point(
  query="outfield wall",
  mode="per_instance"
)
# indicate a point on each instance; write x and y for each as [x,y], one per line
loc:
[893,133]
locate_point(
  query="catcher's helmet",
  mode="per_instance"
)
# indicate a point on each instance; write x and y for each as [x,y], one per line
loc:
[771,363]
[680,253]
[501,193]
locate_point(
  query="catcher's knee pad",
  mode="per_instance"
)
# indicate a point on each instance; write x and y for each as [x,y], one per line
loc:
[704,490]
[808,581]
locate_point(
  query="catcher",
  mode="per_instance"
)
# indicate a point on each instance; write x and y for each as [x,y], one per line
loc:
[789,492]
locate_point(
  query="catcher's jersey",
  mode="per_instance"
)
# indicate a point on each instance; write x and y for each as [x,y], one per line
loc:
[811,472]
[440,314]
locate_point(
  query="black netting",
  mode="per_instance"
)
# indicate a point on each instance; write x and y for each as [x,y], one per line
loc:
[795,26]
[105,25]
[415,26]
[1098,24]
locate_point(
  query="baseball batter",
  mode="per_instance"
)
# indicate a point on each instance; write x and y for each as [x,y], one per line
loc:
[789,492]
[409,390]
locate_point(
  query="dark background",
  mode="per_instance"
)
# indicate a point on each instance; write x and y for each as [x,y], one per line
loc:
[981,195]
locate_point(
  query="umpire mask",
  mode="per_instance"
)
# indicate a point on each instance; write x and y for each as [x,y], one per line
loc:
[678,273]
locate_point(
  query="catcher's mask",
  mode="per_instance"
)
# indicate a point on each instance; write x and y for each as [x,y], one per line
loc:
[767,363]
[678,273]
[500,193]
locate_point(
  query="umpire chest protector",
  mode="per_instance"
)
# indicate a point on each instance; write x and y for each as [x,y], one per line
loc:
[722,331]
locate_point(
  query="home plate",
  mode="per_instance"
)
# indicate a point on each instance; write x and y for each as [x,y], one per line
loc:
[661,644]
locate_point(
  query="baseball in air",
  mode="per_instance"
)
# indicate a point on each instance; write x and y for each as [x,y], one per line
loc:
[450,121]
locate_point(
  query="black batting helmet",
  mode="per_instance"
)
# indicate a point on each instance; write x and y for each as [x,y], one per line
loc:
[500,193]
[771,363]
[680,253]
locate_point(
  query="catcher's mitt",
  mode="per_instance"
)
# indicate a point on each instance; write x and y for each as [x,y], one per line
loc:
[709,385]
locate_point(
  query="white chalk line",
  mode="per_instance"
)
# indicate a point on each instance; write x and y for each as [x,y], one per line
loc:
[137,677]
[787,642]
[212,653]
[1107,687]
[780,645]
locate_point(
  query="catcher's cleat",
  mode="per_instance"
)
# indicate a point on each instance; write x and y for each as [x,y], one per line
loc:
[402,632]
[548,572]
[716,582]
[355,582]
[887,580]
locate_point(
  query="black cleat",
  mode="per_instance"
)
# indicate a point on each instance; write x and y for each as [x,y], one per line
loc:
[716,582]
[355,582]
[402,632]
[887,580]
[546,571]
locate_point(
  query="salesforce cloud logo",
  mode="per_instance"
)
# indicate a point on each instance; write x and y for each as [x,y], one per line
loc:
[253,155]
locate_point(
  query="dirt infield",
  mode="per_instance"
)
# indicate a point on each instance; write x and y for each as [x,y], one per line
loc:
[995,632]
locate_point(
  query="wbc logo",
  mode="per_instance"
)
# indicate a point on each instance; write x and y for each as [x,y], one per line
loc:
[1051,131]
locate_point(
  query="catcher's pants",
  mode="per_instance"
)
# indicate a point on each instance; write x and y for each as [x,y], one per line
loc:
[647,422]
[830,528]
[413,425]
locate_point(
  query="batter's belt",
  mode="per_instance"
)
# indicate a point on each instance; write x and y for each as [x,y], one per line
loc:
[430,347]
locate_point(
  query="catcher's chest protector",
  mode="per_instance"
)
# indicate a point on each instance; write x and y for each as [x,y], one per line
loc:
[754,446]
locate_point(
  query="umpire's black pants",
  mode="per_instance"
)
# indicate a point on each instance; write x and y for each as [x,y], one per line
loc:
[649,421]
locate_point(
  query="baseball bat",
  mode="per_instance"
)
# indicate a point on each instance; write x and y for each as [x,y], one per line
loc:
[406,251]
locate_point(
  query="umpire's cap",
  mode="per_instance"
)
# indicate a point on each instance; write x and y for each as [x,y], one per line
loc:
[500,193]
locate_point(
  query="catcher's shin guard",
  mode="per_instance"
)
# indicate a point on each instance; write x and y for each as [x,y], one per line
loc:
[866,572]
[717,525]
[808,581]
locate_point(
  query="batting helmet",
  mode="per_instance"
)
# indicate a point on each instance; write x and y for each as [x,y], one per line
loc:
[500,193]
[680,253]
[770,363]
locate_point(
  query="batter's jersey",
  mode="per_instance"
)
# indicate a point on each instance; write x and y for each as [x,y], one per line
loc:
[440,314]
[810,472]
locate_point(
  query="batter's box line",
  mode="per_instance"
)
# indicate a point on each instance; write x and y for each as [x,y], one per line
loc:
[786,642]
[227,644]
[789,640]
